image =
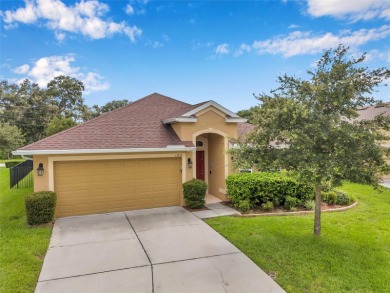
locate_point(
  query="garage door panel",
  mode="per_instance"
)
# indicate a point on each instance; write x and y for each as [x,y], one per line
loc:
[87,187]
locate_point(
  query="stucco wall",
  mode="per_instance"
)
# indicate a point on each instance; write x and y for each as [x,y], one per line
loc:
[216,162]
[209,119]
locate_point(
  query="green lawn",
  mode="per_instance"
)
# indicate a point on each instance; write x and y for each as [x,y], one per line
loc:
[21,248]
[351,255]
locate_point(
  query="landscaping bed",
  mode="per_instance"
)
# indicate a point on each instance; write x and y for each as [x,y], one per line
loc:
[351,255]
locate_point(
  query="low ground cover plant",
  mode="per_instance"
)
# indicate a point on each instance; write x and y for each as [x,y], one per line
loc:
[194,193]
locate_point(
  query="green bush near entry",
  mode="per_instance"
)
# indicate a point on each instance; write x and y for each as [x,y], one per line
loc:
[264,187]
[194,193]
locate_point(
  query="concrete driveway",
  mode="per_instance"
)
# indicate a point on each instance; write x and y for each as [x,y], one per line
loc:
[154,250]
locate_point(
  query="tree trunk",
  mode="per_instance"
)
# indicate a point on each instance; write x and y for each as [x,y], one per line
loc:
[317,212]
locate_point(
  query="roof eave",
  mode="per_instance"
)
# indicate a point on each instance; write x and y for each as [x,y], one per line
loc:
[180,119]
[235,120]
[215,105]
[169,148]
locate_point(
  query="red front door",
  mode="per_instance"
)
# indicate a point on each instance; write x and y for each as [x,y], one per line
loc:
[200,165]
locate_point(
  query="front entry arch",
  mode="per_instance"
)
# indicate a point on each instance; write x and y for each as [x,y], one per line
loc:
[211,163]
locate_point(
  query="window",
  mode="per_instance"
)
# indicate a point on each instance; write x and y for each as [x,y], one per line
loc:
[245,170]
[199,144]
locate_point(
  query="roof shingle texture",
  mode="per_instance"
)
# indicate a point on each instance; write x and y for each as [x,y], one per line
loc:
[137,125]
[369,113]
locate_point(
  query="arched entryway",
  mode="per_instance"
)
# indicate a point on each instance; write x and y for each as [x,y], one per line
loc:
[211,161]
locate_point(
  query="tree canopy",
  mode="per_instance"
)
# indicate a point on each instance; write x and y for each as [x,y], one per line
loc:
[38,112]
[10,139]
[309,126]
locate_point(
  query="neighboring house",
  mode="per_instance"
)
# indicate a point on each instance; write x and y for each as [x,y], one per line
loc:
[369,113]
[137,156]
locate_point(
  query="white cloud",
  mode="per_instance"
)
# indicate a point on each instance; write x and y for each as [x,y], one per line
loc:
[85,17]
[354,10]
[129,9]
[60,37]
[195,45]
[244,48]
[23,69]
[293,26]
[300,43]
[222,49]
[45,69]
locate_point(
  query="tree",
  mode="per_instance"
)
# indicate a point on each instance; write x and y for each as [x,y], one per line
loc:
[31,108]
[66,95]
[26,106]
[248,114]
[11,138]
[58,124]
[94,111]
[114,104]
[309,126]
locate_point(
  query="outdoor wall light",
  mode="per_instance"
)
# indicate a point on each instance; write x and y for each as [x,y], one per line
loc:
[189,163]
[40,169]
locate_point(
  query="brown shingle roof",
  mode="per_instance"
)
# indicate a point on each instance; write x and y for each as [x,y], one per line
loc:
[137,125]
[369,113]
[244,129]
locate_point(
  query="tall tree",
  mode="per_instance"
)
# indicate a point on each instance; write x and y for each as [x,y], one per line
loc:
[11,138]
[31,108]
[25,106]
[114,104]
[248,114]
[66,95]
[310,126]
[58,124]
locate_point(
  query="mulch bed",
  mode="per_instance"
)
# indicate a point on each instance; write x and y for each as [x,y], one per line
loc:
[324,207]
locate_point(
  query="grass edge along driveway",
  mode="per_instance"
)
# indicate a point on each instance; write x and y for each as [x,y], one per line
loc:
[22,248]
[351,255]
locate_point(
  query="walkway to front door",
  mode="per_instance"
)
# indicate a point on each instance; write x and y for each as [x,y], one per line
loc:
[155,250]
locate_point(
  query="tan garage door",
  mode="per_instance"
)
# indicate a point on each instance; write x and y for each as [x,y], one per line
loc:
[89,187]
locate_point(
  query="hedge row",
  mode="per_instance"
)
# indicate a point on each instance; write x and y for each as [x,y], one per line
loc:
[257,189]
[10,164]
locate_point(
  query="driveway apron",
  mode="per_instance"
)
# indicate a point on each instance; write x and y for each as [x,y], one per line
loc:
[155,250]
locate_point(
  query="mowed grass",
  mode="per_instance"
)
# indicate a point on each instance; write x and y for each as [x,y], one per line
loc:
[351,255]
[22,248]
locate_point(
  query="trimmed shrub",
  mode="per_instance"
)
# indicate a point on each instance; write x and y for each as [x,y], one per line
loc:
[10,164]
[309,204]
[244,206]
[290,202]
[329,197]
[343,198]
[260,188]
[268,206]
[40,207]
[194,193]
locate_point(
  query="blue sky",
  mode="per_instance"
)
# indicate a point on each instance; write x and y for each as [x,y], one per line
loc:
[190,50]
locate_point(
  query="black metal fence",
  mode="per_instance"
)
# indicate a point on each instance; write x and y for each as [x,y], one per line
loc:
[21,175]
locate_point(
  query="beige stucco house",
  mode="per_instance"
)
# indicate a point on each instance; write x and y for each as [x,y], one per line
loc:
[136,156]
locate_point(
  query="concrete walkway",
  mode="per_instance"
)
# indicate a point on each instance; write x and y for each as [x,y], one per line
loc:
[216,210]
[386,183]
[155,250]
